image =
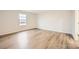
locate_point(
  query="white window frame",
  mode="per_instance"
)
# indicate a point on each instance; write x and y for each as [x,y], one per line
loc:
[22,19]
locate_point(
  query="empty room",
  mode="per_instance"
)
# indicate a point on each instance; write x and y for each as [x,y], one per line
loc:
[39,29]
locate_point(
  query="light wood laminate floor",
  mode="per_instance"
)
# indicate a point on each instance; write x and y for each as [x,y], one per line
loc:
[38,39]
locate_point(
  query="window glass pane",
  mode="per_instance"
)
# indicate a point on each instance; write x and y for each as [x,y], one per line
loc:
[22,19]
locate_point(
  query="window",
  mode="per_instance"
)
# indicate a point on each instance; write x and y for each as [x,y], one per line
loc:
[22,19]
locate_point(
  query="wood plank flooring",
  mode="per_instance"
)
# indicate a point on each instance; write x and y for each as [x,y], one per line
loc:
[38,39]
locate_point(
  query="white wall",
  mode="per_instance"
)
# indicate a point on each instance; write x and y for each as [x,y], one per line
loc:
[73,24]
[78,21]
[60,21]
[9,21]
[75,32]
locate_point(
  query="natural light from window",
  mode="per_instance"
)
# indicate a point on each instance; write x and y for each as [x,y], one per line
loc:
[22,19]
